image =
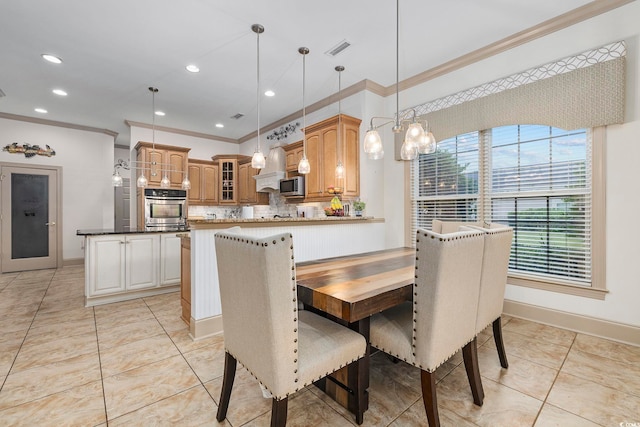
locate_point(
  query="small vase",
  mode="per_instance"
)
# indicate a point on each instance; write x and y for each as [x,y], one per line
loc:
[358,213]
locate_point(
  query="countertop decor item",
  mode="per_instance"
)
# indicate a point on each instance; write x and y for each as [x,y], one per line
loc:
[358,207]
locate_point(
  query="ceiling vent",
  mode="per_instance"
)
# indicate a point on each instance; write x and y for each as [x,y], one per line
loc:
[237,116]
[2,93]
[338,48]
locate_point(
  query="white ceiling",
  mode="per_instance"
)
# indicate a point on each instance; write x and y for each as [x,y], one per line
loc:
[114,50]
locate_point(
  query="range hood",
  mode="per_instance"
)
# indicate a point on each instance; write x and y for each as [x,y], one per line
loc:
[268,179]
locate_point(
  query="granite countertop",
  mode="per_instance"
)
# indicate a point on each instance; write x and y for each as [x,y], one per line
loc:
[192,221]
[108,231]
[256,222]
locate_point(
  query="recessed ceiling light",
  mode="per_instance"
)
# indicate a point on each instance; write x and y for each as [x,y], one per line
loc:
[40,110]
[192,68]
[51,58]
[60,92]
[219,125]
[269,93]
[160,113]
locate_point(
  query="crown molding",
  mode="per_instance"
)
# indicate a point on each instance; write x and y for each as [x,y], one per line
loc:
[181,132]
[575,16]
[47,122]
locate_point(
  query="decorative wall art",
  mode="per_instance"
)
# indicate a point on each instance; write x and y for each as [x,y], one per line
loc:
[29,150]
[283,132]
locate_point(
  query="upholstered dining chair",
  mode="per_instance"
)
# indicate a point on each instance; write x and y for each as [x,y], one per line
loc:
[283,347]
[495,266]
[441,319]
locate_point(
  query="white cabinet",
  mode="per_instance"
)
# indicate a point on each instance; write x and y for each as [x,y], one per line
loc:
[105,265]
[169,259]
[142,252]
[126,266]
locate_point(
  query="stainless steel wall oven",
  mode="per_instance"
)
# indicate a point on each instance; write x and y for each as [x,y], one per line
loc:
[165,209]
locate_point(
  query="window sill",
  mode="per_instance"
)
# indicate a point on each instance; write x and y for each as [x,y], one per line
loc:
[563,288]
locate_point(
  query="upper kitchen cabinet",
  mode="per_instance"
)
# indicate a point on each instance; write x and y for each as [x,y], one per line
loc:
[293,155]
[204,177]
[324,150]
[158,159]
[228,192]
[247,184]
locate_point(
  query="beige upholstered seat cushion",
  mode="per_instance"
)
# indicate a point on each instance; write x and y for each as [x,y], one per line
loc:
[391,331]
[325,346]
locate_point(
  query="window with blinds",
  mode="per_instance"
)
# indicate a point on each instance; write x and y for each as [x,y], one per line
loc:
[537,179]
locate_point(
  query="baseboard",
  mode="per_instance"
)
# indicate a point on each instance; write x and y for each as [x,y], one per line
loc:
[72,261]
[620,332]
[204,328]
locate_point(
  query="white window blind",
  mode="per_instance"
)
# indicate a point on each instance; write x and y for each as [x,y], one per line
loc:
[447,182]
[536,179]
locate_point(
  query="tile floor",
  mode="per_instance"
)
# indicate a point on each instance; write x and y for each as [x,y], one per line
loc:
[133,363]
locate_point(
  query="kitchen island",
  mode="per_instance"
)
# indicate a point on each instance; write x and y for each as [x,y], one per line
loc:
[314,238]
[126,264]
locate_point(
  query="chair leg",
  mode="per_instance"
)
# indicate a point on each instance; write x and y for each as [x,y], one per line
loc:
[497,336]
[428,382]
[227,385]
[279,412]
[470,356]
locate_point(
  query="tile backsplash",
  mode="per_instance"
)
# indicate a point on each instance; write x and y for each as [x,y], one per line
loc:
[277,206]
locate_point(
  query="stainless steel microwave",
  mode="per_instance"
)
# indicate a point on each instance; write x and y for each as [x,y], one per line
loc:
[292,187]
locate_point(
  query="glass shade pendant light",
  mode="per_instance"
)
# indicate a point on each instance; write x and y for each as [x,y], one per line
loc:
[164,182]
[116,179]
[304,167]
[258,161]
[427,144]
[339,166]
[186,184]
[142,180]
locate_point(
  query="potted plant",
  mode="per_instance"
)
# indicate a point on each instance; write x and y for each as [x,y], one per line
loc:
[358,207]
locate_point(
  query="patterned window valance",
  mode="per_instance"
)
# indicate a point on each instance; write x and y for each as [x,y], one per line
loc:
[580,91]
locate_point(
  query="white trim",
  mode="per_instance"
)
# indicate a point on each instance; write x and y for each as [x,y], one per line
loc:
[620,332]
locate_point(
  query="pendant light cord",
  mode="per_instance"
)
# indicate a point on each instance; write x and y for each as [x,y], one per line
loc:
[258,85]
[397,63]
[304,109]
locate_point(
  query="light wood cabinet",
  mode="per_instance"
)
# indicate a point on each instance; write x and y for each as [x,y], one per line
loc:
[247,193]
[159,160]
[204,176]
[228,191]
[155,161]
[293,153]
[323,154]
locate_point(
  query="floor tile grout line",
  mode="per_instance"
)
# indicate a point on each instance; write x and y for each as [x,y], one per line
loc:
[13,362]
[104,394]
[544,402]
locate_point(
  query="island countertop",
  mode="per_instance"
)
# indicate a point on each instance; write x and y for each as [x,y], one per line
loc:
[195,224]
[202,223]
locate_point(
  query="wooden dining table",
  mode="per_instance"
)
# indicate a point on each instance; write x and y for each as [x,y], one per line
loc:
[349,289]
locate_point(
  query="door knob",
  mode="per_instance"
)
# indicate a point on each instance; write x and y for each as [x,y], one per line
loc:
[50,223]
